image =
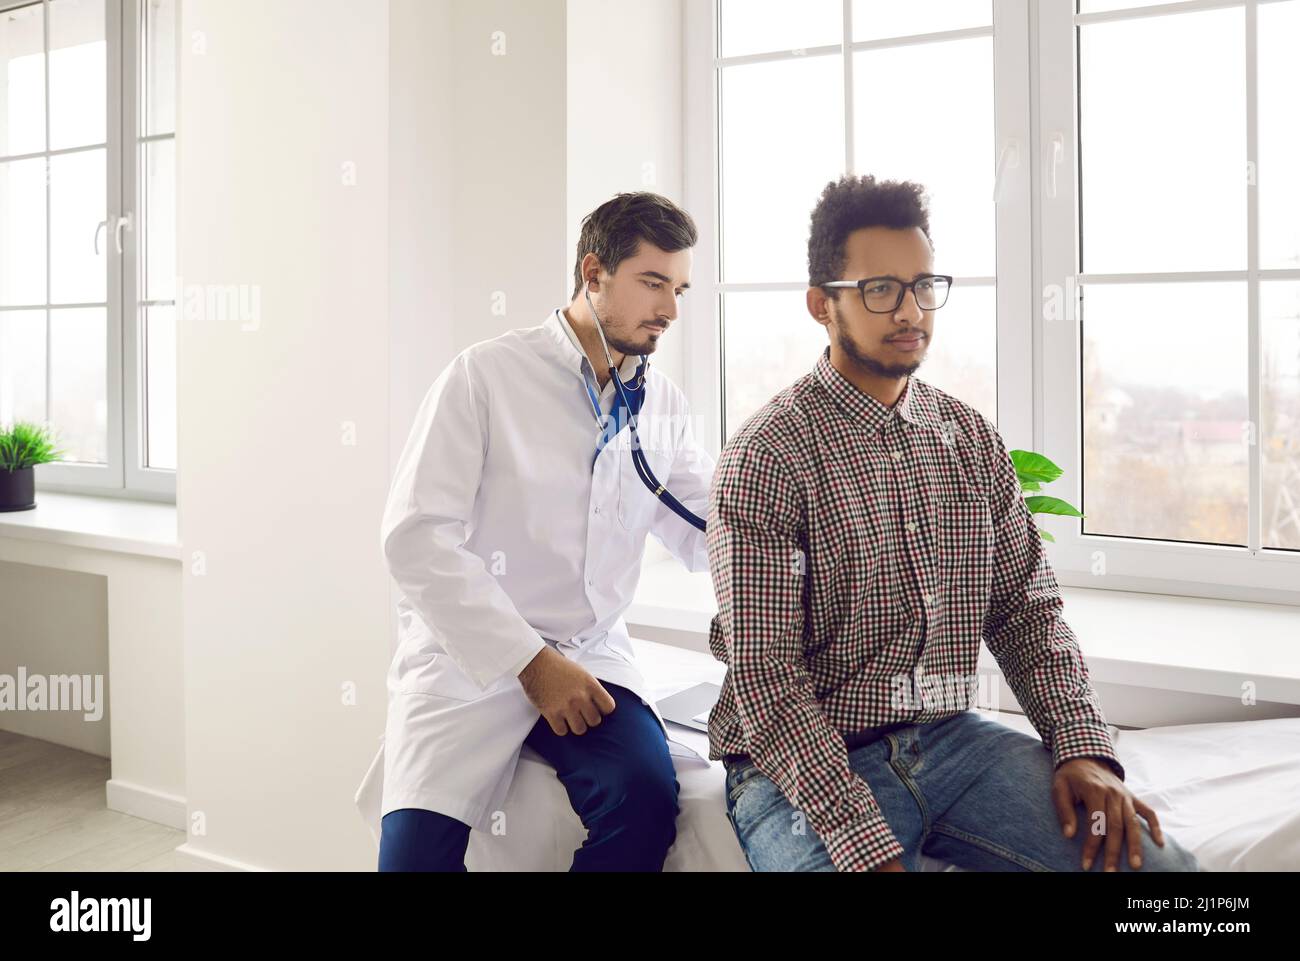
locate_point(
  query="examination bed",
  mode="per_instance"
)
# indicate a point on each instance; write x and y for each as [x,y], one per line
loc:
[1230,792]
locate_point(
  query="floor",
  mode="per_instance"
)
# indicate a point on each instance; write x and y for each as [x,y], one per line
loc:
[53,816]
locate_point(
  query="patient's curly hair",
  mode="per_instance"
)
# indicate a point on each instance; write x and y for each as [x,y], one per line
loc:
[851,203]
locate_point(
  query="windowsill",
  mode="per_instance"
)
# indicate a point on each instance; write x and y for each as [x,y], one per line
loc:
[1161,641]
[144,528]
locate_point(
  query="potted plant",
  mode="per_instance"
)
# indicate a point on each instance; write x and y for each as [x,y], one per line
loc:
[1035,470]
[22,447]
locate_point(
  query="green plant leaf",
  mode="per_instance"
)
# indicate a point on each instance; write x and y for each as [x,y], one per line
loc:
[1046,536]
[1050,505]
[1030,485]
[1034,467]
[25,444]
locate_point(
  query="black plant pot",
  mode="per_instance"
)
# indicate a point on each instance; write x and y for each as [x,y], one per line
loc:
[18,489]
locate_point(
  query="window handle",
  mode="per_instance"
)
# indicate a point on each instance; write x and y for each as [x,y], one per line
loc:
[123,221]
[1055,155]
[1008,159]
[102,225]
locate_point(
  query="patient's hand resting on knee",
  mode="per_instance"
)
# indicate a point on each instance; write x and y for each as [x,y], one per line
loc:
[1111,806]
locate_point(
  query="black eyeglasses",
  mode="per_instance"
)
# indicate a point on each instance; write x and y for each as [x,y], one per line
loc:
[884,295]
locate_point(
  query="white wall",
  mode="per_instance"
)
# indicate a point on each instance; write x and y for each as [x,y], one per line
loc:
[497,156]
[477,161]
[55,622]
[508,169]
[284,592]
[74,609]
[625,120]
[512,119]
[477,165]
[422,241]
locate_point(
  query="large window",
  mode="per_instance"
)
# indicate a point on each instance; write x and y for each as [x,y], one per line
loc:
[1116,186]
[789,120]
[1177,236]
[87,237]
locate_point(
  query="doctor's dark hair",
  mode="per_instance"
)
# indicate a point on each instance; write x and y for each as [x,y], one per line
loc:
[614,229]
[851,203]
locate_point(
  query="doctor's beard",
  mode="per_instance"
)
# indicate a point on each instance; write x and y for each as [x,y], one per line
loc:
[625,346]
[849,347]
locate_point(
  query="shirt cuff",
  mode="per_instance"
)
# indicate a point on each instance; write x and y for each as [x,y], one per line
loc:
[1089,741]
[862,845]
[527,659]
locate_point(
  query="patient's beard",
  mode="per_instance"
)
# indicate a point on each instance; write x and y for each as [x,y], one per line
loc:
[850,349]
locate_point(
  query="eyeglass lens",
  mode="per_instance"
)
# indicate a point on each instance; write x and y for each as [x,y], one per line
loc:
[885,295]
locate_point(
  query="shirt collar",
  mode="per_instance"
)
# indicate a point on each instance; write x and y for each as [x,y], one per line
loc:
[561,333]
[915,405]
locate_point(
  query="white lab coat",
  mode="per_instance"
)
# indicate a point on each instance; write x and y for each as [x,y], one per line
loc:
[502,536]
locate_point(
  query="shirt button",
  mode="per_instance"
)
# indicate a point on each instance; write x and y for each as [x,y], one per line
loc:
[897,455]
[910,525]
[928,598]
[597,510]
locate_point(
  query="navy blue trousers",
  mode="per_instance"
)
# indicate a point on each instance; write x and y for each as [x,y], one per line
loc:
[620,780]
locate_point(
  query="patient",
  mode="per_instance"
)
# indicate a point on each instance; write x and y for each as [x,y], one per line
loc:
[865,531]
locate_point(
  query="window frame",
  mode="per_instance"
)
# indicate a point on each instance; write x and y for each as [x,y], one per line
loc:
[1039,388]
[124,475]
[141,480]
[1250,573]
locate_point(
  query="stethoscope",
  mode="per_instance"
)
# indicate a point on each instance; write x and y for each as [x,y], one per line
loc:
[637,386]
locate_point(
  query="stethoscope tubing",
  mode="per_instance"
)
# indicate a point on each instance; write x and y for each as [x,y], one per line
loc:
[638,456]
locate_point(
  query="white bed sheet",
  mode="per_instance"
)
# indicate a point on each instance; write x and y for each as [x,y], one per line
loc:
[1229,792]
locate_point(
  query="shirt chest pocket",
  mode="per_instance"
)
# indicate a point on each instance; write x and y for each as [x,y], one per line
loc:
[964,541]
[637,503]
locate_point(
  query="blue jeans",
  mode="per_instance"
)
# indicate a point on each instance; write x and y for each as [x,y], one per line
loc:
[620,780]
[966,789]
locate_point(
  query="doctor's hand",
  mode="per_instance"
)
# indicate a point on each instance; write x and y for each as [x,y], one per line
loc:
[1110,805]
[568,696]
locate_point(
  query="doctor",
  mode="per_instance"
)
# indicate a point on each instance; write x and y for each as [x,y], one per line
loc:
[515,528]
